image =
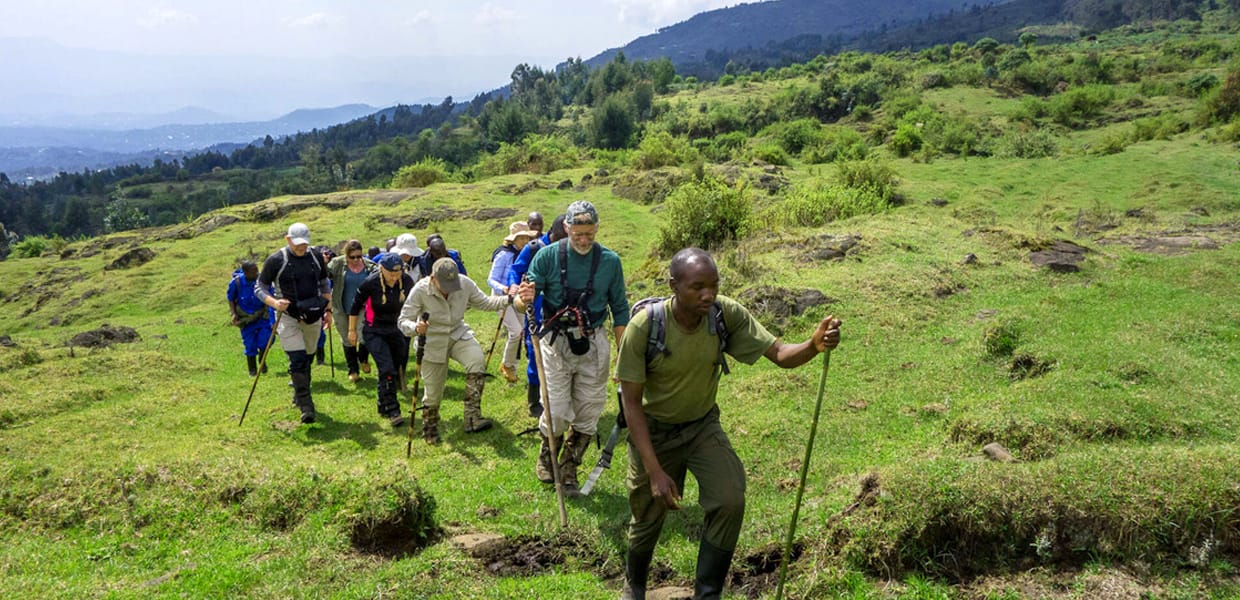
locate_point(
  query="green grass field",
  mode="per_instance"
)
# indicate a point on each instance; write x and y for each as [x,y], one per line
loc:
[125,472]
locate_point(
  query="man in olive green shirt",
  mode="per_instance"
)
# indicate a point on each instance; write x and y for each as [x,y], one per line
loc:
[676,429]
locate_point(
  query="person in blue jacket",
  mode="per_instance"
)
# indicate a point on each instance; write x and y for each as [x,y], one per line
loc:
[250,314]
[436,249]
[521,265]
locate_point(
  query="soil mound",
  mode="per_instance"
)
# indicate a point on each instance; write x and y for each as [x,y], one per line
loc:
[132,258]
[105,336]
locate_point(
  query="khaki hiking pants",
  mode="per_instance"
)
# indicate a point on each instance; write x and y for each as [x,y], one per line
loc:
[576,385]
[466,352]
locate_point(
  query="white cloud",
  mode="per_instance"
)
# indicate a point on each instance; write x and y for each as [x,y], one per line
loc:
[422,17]
[661,13]
[491,14]
[318,19]
[163,17]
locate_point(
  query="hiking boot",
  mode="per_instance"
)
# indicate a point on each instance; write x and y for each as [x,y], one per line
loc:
[430,425]
[474,421]
[570,458]
[365,366]
[320,357]
[398,421]
[509,373]
[301,396]
[543,468]
[353,376]
[533,400]
[252,361]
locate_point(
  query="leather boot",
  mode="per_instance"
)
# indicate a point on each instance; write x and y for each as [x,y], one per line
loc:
[363,358]
[636,572]
[301,396]
[350,358]
[430,425]
[543,468]
[252,361]
[320,357]
[713,566]
[570,458]
[474,422]
[534,400]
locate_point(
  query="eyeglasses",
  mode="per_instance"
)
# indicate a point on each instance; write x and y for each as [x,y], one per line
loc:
[355,256]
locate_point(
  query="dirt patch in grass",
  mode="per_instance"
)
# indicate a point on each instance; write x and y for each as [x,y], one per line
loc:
[99,245]
[132,258]
[757,573]
[422,219]
[1027,366]
[270,210]
[54,283]
[198,227]
[825,247]
[105,336]
[1181,241]
[648,187]
[782,303]
[524,556]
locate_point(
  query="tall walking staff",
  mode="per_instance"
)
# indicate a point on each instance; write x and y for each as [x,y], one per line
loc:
[809,450]
[555,446]
[417,378]
[262,368]
[331,353]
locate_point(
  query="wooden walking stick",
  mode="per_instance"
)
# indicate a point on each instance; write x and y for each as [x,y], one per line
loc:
[417,379]
[809,450]
[331,352]
[262,367]
[555,446]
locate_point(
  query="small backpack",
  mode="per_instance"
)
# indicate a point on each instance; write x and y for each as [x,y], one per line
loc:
[656,341]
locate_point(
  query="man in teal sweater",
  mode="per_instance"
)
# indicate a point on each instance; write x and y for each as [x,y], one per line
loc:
[581,282]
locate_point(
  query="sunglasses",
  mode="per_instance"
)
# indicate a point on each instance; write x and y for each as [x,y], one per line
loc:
[354,256]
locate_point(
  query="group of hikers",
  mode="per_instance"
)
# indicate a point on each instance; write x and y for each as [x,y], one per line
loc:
[556,291]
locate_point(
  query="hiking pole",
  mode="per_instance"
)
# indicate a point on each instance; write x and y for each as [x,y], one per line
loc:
[417,378]
[555,446]
[261,368]
[331,352]
[809,449]
[486,367]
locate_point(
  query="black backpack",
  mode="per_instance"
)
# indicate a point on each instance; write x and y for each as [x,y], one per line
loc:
[656,340]
[308,310]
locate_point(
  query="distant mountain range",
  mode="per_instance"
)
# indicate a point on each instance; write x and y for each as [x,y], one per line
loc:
[39,151]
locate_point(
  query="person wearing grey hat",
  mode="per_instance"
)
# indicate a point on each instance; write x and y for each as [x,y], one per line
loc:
[386,292]
[581,282]
[445,296]
[301,294]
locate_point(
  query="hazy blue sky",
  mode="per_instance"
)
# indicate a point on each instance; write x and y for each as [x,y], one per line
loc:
[260,58]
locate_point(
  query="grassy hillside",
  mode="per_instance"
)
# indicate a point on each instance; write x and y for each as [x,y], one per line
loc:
[125,473]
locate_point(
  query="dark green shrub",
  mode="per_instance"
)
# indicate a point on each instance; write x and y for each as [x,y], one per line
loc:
[873,175]
[1000,339]
[1077,106]
[819,206]
[794,136]
[705,214]
[661,149]
[421,174]
[1223,104]
[837,143]
[1023,143]
[771,153]
[906,140]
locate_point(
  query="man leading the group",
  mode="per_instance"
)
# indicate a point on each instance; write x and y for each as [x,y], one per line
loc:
[676,429]
[581,282]
[302,297]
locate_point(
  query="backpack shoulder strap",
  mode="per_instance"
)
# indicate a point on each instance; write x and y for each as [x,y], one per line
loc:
[275,284]
[719,329]
[656,338]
